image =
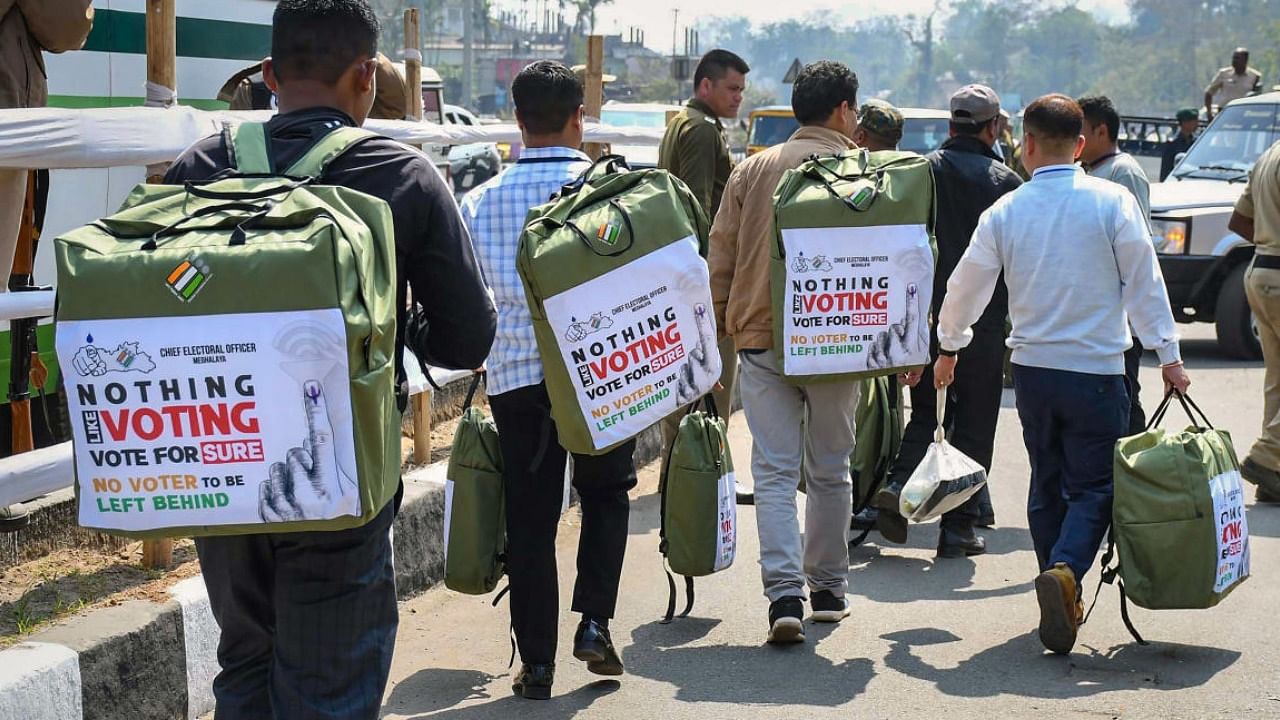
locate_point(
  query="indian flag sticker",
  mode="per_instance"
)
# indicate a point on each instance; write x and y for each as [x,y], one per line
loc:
[188,278]
[608,233]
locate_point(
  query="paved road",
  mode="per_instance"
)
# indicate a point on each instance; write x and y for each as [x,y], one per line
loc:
[927,639]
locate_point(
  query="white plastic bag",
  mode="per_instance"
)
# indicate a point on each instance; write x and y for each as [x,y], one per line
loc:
[943,480]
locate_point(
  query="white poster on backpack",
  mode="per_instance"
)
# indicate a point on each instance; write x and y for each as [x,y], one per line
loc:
[856,299]
[639,341]
[1232,525]
[210,420]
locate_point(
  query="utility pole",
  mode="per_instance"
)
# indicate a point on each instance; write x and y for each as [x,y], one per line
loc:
[468,50]
[675,31]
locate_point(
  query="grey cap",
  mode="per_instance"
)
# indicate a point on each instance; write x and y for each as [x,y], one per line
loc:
[974,104]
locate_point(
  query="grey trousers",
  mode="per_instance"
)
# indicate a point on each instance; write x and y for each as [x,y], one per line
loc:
[775,411]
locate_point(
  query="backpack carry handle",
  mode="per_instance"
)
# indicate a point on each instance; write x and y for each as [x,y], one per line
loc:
[606,165]
[175,228]
[471,391]
[626,220]
[281,189]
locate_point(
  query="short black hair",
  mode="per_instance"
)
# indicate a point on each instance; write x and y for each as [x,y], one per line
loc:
[1099,110]
[319,39]
[716,64]
[1054,120]
[971,129]
[820,88]
[546,95]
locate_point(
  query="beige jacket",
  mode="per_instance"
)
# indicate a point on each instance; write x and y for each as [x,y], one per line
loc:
[26,28]
[743,232]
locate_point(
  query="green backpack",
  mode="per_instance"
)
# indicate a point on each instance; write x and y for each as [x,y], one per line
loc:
[699,512]
[475,514]
[228,351]
[620,295]
[1181,490]
[852,265]
[878,424]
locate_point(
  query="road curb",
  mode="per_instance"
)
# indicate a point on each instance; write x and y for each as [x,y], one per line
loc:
[156,661]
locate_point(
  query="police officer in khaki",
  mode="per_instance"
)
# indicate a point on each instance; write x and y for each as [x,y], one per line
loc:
[1232,82]
[1257,219]
[694,150]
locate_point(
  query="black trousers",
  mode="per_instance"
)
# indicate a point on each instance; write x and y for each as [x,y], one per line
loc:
[973,407]
[308,621]
[1133,361]
[533,467]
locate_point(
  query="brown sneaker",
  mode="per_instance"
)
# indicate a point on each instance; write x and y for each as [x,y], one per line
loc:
[1060,608]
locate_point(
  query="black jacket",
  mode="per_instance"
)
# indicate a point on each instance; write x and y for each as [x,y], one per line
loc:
[969,179]
[455,324]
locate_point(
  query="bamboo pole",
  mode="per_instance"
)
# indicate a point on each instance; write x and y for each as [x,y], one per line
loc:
[594,96]
[412,66]
[162,70]
[413,111]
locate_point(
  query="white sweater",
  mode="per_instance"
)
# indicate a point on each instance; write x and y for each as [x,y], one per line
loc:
[1076,256]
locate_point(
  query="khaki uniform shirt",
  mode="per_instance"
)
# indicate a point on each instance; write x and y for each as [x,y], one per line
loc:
[26,28]
[1228,86]
[694,150]
[1261,201]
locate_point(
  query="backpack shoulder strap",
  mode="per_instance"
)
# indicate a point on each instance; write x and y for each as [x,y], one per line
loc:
[248,148]
[328,149]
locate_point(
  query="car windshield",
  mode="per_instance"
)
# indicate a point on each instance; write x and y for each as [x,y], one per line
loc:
[634,118]
[923,135]
[770,130]
[1231,145]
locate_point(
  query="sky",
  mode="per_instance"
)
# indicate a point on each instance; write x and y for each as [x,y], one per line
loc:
[655,16]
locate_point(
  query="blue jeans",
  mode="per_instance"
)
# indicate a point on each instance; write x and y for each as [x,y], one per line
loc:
[1070,424]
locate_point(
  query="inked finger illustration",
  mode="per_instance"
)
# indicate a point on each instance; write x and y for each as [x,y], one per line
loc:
[306,484]
[900,344]
[702,368]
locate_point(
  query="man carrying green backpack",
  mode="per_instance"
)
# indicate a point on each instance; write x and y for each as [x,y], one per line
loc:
[548,100]
[308,619]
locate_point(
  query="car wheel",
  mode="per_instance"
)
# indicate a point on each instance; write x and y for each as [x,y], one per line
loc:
[1237,328]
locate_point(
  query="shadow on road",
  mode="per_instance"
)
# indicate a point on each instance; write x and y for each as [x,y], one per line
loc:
[899,579]
[1020,666]
[433,693]
[744,674]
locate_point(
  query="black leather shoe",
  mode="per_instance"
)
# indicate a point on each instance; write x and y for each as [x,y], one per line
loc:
[534,681]
[593,646]
[889,521]
[957,545]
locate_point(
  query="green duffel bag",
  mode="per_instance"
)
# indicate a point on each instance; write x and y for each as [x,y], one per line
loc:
[227,351]
[621,302]
[878,424]
[852,265]
[699,532]
[475,505]
[1180,491]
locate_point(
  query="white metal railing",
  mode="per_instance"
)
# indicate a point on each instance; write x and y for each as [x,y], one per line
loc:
[31,474]
[32,304]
